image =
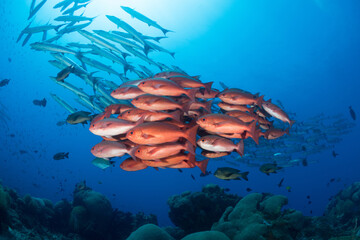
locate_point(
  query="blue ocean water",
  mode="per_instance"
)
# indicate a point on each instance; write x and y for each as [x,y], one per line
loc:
[303,53]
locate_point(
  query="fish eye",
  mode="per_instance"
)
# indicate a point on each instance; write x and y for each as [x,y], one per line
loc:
[93,125]
[136,99]
[143,83]
[202,140]
[203,119]
[131,133]
[138,151]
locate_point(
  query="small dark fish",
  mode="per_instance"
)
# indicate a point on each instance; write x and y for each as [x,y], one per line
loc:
[12,135]
[207,173]
[53,177]
[23,151]
[248,189]
[281,182]
[64,73]
[9,60]
[228,173]
[114,195]
[35,151]
[310,211]
[352,113]
[309,202]
[308,196]
[192,176]
[268,168]
[332,179]
[303,148]
[288,188]
[4,82]
[226,189]
[334,154]
[40,102]
[180,170]
[304,162]
[61,155]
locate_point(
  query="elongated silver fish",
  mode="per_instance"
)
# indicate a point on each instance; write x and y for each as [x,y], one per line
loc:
[116,38]
[42,46]
[73,18]
[130,30]
[144,19]
[36,9]
[63,103]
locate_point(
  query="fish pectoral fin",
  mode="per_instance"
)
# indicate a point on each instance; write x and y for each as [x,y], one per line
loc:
[147,136]
[157,86]
[154,151]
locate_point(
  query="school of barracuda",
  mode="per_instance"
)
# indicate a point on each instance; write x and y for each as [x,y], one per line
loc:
[156,118]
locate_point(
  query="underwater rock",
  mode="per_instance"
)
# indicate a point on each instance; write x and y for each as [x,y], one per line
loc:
[259,216]
[272,205]
[194,212]
[92,213]
[4,206]
[175,232]
[206,235]
[150,232]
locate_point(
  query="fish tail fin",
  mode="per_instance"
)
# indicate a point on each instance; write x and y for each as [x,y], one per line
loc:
[252,131]
[57,27]
[165,31]
[202,165]
[190,134]
[291,122]
[66,155]
[157,39]
[190,148]
[208,86]
[176,115]
[124,55]
[43,102]
[146,49]
[172,54]
[240,148]
[141,120]
[260,100]
[191,93]
[196,77]
[244,175]
[208,106]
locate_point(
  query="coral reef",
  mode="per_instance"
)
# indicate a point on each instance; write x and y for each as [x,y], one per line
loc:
[260,216]
[222,216]
[194,212]
[89,216]
[150,232]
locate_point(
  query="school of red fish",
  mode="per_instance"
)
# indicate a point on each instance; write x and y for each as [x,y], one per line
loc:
[159,126]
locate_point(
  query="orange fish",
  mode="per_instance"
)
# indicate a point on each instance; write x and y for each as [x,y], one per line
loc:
[243,135]
[239,97]
[274,133]
[170,160]
[215,143]
[276,112]
[164,87]
[187,164]
[117,109]
[153,152]
[128,92]
[108,149]
[151,133]
[210,154]
[232,107]
[156,103]
[112,126]
[243,116]
[189,82]
[225,124]
[132,165]
[135,114]
[203,94]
